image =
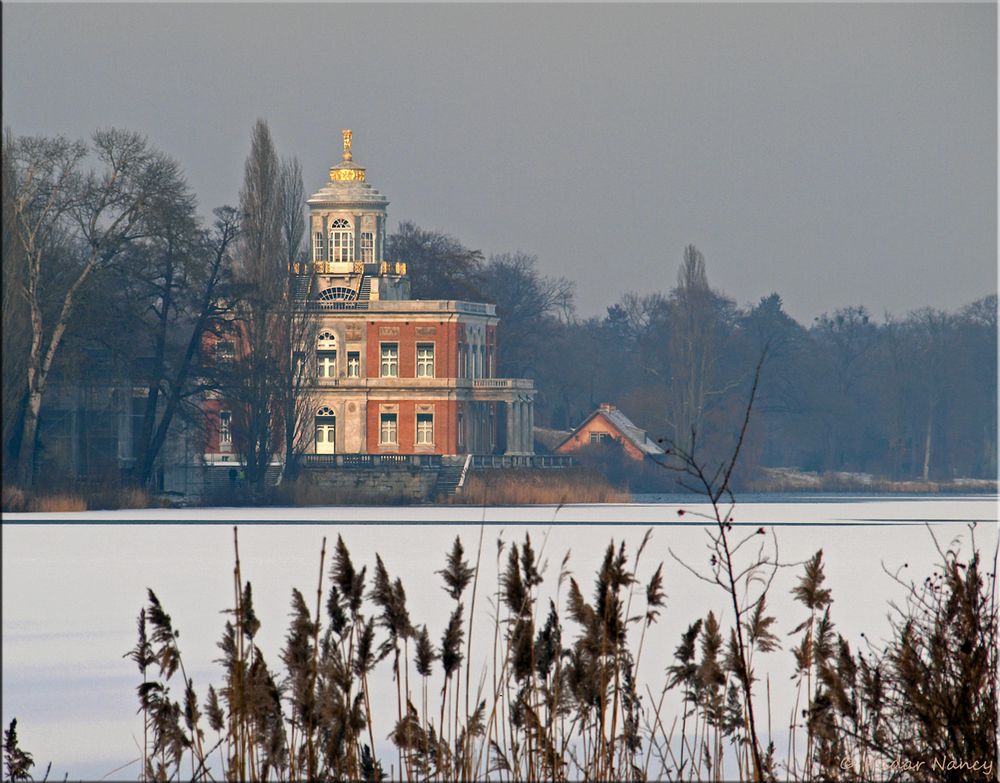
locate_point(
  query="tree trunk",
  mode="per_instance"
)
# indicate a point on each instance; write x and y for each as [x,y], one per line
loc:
[38,372]
[29,439]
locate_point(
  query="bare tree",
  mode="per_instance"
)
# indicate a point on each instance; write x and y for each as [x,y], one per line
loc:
[699,318]
[16,319]
[527,302]
[174,378]
[55,203]
[293,201]
[255,378]
[267,381]
[746,585]
[439,266]
[299,330]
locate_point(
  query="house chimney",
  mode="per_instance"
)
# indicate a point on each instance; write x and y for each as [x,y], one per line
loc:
[607,407]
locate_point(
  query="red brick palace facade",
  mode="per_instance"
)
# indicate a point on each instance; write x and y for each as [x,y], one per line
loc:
[389,374]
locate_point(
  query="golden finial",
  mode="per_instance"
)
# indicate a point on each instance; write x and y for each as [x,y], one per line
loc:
[347,170]
[347,144]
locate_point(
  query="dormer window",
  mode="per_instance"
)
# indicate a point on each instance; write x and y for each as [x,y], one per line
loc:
[341,241]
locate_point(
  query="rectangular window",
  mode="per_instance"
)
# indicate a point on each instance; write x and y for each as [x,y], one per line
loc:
[319,247]
[225,428]
[342,245]
[353,364]
[425,360]
[460,426]
[425,429]
[326,364]
[390,360]
[599,437]
[367,246]
[388,429]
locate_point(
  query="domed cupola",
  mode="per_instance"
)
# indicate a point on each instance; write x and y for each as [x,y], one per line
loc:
[348,187]
[347,227]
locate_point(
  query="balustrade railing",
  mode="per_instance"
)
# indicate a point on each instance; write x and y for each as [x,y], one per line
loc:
[370,460]
[499,461]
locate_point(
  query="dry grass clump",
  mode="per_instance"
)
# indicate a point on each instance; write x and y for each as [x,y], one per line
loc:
[546,709]
[548,487]
[17,500]
[119,497]
[59,502]
[561,697]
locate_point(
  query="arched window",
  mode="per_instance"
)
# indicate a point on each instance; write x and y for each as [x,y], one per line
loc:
[326,355]
[337,294]
[326,431]
[341,241]
[326,341]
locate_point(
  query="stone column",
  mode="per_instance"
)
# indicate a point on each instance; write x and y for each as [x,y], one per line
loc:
[525,436]
[531,427]
[520,426]
[522,420]
[510,427]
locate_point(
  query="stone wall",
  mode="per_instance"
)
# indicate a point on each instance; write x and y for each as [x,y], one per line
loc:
[408,482]
[345,485]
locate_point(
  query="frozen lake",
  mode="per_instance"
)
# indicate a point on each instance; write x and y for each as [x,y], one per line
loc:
[73,585]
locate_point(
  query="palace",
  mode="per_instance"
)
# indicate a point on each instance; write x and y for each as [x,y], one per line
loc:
[389,374]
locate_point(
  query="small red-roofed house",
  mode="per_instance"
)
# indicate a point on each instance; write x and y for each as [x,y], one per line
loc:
[605,424]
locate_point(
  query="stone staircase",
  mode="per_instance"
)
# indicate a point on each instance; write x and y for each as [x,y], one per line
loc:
[366,289]
[448,477]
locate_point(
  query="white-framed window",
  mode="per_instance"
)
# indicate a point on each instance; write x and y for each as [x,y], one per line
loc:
[326,364]
[353,364]
[326,431]
[341,241]
[599,437]
[225,428]
[425,360]
[326,355]
[425,429]
[319,247]
[367,246]
[389,367]
[388,428]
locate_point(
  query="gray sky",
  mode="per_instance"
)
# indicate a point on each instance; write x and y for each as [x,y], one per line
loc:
[836,154]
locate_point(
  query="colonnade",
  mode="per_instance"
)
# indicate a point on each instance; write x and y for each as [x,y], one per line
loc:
[520,426]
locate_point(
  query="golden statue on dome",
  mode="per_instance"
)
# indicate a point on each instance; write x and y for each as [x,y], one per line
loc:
[347,144]
[347,170]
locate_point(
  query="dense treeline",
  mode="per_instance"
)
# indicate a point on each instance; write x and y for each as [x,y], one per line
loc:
[110,274]
[910,397]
